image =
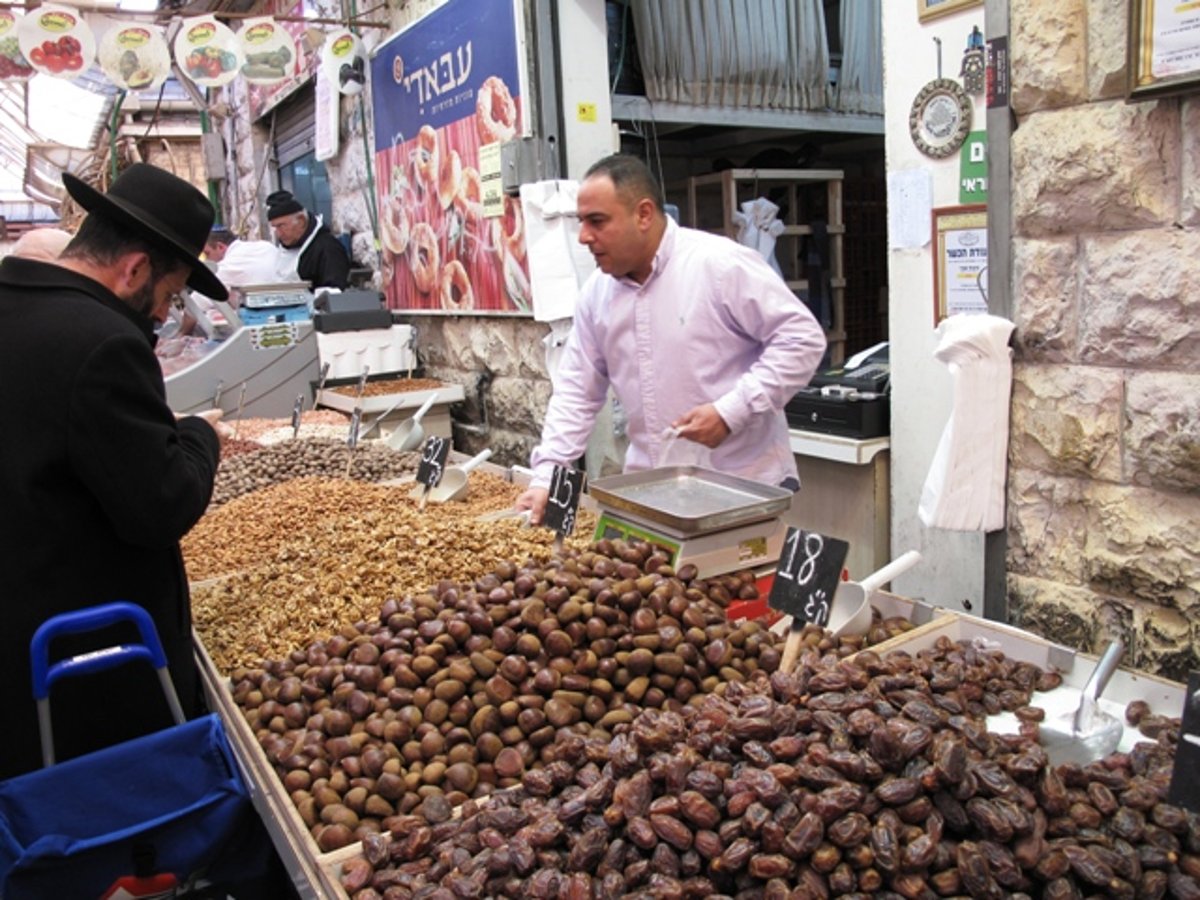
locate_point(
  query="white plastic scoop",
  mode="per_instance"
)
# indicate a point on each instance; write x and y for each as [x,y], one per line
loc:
[453,485]
[409,435]
[1087,732]
[850,610]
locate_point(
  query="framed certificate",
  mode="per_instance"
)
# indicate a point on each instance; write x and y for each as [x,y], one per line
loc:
[1164,48]
[960,255]
[931,9]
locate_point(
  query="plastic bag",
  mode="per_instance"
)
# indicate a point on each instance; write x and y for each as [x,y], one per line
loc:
[678,451]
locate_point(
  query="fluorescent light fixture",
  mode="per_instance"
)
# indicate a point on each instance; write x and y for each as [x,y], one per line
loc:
[62,112]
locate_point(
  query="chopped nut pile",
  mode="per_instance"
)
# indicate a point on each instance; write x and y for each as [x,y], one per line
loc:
[389,386]
[306,557]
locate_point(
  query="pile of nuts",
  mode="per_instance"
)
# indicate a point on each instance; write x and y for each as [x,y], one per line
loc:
[383,386]
[459,691]
[846,778]
[253,471]
[302,559]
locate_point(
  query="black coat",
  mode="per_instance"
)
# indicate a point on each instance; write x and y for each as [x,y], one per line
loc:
[324,262]
[98,482]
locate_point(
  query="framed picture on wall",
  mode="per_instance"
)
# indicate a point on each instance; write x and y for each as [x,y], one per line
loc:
[1164,49]
[960,260]
[931,9]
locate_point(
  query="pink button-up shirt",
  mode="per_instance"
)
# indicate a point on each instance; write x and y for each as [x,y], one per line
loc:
[712,324]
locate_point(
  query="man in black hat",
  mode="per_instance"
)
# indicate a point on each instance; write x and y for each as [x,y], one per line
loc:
[321,259]
[98,479]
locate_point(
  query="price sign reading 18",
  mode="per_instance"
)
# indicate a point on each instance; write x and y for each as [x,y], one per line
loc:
[566,487]
[809,570]
[434,452]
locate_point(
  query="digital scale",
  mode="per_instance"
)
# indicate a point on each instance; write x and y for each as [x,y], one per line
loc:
[719,523]
[269,303]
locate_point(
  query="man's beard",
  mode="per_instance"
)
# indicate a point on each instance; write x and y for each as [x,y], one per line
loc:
[142,300]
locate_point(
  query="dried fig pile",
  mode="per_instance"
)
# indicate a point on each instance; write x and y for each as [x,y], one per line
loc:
[850,778]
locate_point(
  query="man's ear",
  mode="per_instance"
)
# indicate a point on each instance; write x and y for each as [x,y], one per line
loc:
[132,271]
[644,212]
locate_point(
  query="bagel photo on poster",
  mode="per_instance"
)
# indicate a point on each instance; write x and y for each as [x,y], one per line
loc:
[447,85]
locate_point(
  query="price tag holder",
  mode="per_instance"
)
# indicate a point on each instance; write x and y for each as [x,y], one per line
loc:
[362,381]
[566,487]
[434,453]
[1185,787]
[355,422]
[807,577]
[297,409]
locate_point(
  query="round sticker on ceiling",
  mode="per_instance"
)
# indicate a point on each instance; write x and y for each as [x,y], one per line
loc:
[13,64]
[344,61]
[269,51]
[57,41]
[135,56]
[208,52]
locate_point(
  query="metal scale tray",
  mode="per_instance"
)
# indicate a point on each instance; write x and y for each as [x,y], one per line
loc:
[690,500]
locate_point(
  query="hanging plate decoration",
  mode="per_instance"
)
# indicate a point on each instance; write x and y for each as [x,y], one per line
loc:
[344,61]
[135,56]
[269,51]
[941,118]
[208,52]
[57,41]
[13,64]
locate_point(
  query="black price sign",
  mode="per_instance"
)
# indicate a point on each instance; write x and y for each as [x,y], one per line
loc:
[297,408]
[434,453]
[809,571]
[355,422]
[1185,789]
[566,486]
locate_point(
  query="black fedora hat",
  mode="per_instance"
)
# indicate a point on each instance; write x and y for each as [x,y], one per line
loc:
[163,209]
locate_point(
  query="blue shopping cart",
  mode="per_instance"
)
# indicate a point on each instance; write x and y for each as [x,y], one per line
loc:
[168,804]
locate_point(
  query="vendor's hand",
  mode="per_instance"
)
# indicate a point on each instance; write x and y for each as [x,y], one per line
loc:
[534,500]
[703,425]
[211,416]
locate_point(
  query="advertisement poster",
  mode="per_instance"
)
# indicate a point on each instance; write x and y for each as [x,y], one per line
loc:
[442,89]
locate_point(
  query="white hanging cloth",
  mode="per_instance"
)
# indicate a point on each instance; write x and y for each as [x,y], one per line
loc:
[759,227]
[558,263]
[964,490]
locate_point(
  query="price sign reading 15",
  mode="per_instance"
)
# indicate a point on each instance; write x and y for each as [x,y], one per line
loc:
[434,452]
[807,577]
[566,486]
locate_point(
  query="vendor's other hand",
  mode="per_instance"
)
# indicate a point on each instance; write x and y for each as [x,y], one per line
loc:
[534,500]
[703,425]
[211,416]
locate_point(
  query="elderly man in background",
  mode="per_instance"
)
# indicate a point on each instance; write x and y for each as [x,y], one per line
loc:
[320,258]
[101,480]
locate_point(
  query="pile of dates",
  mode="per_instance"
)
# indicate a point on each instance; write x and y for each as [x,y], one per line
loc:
[871,777]
[454,693]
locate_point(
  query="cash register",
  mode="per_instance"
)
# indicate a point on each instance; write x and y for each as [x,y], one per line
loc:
[851,400]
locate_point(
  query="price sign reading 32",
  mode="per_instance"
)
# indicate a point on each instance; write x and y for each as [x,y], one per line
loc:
[807,577]
[434,452]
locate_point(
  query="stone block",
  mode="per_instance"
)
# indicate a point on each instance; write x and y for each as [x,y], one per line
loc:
[1046,526]
[1100,167]
[1189,203]
[1107,33]
[1045,298]
[1143,545]
[1162,437]
[1140,299]
[1066,420]
[1049,49]
[1056,612]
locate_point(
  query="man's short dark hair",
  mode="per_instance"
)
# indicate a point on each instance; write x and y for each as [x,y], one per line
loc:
[220,235]
[631,177]
[102,241]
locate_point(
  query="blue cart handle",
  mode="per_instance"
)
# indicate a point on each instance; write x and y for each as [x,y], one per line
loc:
[45,674]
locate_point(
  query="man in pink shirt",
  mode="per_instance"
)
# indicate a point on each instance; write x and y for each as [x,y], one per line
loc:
[693,331]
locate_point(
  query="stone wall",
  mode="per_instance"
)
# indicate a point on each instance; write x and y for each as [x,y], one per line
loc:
[1104,483]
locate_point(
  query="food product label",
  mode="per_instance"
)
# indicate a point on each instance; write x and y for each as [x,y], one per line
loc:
[807,577]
